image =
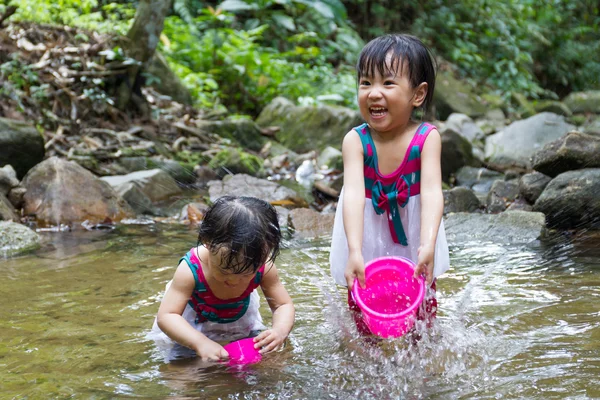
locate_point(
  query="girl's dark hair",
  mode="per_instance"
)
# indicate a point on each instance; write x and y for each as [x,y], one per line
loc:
[246,227]
[404,50]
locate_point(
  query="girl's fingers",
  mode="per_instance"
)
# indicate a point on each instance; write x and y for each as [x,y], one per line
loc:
[263,342]
[270,347]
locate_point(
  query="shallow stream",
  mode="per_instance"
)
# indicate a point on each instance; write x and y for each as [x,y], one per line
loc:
[514,322]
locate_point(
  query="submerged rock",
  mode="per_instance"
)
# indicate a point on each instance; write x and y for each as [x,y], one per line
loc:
[509,227]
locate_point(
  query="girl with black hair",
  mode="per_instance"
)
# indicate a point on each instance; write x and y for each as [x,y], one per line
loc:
[212,297]
[391,203]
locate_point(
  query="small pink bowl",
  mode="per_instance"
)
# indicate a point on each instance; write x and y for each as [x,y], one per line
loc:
[242,352]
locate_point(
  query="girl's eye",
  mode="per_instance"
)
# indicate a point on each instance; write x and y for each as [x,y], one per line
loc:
[365,83]
[388,83]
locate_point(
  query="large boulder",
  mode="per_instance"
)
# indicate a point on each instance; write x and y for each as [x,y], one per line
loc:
[21,145]
[453,96]
[582,102]
[308,128]
[571,200]
[62,192]
[509,227]
[16,239]
[515,145]
[155,184]
[575,150]
[246,185]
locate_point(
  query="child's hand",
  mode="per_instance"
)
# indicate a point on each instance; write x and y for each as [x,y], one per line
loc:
[425,263]
[211,351]
[355,268]
[269,340]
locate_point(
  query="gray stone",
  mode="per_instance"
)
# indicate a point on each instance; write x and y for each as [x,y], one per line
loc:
[308,127]
[478,179]
[575,150]
[330,158]
[8,179]
[515,145]
[582,102]
[464,125]
[21,145]
[532,185]
[457,152]
[17,239]
[62,192]
[509,227]
[7,210]
[309,223]
[156,184]
[460,199]
[246,185]
[139,202]
[571,201]
[501,193]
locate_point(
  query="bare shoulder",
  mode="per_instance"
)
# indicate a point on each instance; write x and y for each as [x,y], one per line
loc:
[183,278]
[351,142]
[271,274]
[433,140]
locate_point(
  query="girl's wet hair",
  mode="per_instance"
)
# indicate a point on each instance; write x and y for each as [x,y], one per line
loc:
[405,50]
[246,228]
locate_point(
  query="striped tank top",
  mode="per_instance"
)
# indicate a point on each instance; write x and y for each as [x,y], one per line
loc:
[209,307]
[388,192]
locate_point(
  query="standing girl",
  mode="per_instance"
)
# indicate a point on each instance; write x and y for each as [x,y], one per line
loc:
[392,202]
[212,297]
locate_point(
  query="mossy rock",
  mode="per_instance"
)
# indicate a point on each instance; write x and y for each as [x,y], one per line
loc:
[17,239]
[237,161]
[453,96]
[553,106]
[582,102]
[308,128]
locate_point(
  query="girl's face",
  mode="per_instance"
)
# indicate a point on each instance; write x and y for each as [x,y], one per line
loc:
[386,102]
[225,276]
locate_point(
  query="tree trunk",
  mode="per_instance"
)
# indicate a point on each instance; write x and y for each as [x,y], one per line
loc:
[142,38]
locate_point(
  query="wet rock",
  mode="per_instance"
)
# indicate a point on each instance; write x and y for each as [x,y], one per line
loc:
[8,179]
[509,227]
[478,179]
[308,223]
[460,199]
[7,210]
[156,184]
[464,126]
[574,151]
[571,200]
[501,193]
[133,195]
[532,185]
[17,239]
[457,152]
[520,205]
[21,145]
[515,145]
[62,192]
[582,102]
[308,127]
[246,185]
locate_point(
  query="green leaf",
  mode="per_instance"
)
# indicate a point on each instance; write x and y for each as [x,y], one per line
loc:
[236,5]
[285,21]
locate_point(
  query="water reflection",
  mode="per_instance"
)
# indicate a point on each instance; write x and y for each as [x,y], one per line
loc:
[514,322]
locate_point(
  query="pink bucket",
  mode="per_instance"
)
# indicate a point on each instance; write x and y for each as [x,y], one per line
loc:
[391,297]
[242,352]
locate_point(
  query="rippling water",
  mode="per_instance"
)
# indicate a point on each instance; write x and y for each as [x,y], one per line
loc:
[514,322]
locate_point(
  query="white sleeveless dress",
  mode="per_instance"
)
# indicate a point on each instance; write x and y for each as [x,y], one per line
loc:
[377,238]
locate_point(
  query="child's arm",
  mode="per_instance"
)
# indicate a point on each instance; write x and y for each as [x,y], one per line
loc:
[354,206]
[432,203]
[282,307]
[175,326]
